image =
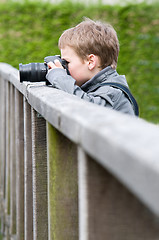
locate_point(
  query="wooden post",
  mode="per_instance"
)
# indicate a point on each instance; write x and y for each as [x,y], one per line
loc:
[40,206]
[28,189]
[12,163]
[107,209]
[82,195]
[3,152]
[19,120]
[7,163]
[62,187]
[1,139]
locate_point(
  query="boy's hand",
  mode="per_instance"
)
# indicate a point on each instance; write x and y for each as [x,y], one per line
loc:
[55,64]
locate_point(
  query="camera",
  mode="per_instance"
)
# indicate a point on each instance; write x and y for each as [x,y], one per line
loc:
[36,72]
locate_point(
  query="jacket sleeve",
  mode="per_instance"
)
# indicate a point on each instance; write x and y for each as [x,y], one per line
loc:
[60,80]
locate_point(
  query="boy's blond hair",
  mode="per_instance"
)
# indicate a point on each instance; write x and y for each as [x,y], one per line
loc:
[93,37]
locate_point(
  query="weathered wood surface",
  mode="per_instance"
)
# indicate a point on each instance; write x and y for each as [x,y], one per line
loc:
[62,186]
[12,163]
[99,133]
[116,170]
[7,163]
[39,171]
[28,183]
[3,153]
[107,209]
[19,129]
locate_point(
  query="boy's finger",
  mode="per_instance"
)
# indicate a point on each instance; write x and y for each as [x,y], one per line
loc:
[51,65]
[57,63]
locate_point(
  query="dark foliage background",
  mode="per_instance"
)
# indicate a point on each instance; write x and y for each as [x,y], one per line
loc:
[29,31]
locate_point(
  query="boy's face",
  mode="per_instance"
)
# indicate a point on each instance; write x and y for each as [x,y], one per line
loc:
[77,67]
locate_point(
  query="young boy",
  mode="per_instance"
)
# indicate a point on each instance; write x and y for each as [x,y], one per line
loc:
[91,51]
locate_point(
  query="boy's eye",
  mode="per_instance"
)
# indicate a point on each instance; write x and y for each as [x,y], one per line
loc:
[67,62]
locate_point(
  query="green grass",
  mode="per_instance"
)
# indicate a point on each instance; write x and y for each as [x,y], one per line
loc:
[29,31]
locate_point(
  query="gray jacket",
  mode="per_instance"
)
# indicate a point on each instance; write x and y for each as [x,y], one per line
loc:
[103,95]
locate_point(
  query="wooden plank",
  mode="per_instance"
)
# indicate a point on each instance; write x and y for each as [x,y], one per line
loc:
[28,189]
[82,195]
[12,163]
[39,158]
[3,152]
[62,186]
[7,167]
[109,210]
[1,136]
[19,165]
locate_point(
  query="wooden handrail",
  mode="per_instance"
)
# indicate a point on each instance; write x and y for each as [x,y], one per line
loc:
[71,157]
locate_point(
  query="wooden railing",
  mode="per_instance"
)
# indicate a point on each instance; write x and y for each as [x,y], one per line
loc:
[74,170]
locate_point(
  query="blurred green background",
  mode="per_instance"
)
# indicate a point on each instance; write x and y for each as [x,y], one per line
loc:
[29,31]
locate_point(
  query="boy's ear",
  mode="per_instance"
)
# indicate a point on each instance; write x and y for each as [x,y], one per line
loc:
[92,61]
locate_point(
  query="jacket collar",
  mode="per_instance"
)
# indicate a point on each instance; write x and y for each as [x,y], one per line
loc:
[100,77]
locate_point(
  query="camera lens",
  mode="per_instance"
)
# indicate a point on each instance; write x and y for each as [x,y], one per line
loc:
[33,72]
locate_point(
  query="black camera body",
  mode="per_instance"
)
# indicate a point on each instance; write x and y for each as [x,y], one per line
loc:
[36,72]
